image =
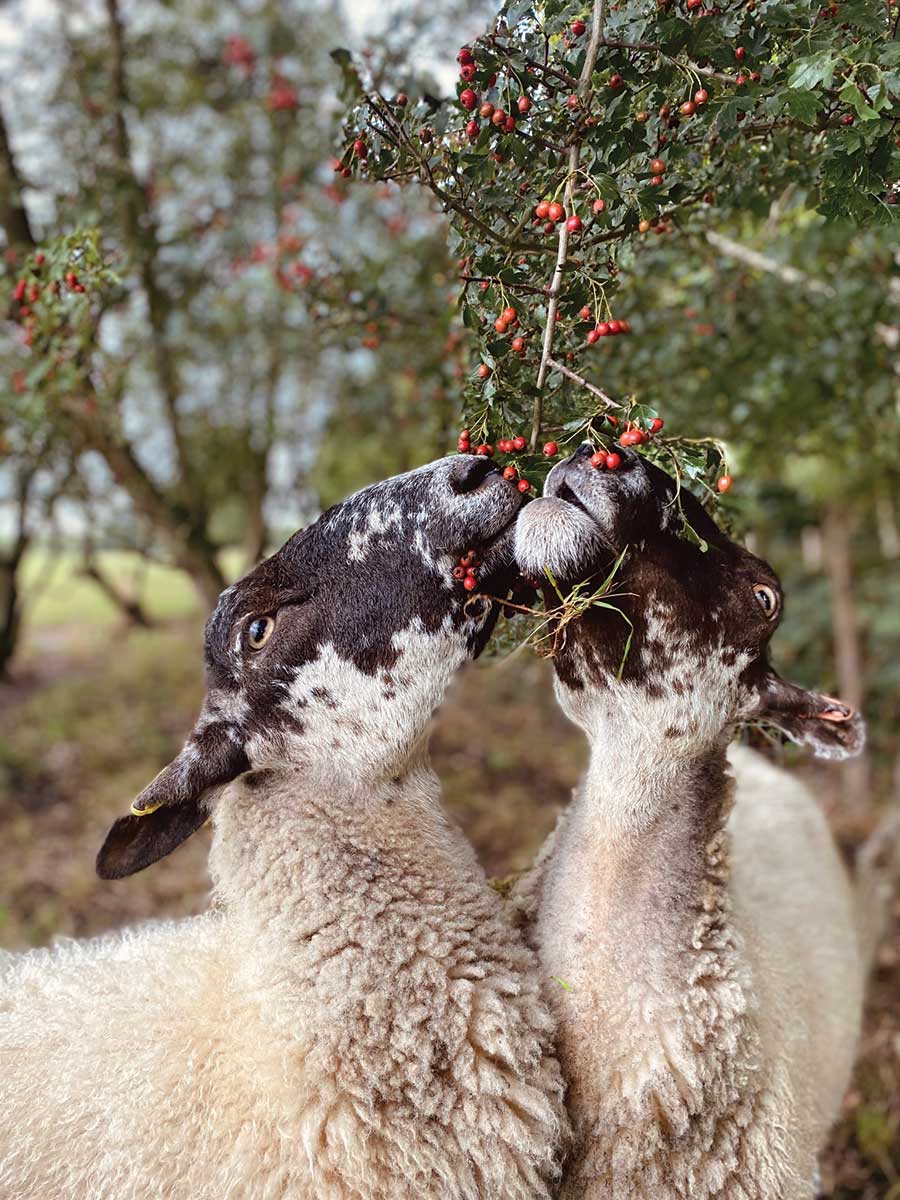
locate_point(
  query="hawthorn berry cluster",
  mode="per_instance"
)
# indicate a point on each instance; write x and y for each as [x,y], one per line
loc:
[466,570]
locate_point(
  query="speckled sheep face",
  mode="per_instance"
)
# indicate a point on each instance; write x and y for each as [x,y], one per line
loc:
[332,655]
[699,621]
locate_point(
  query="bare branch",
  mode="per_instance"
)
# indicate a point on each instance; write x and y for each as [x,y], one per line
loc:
[762,262]
[580,379]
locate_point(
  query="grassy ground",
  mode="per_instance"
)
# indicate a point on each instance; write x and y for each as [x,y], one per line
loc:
[93,714]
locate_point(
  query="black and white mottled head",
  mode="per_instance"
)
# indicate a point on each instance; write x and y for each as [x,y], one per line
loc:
[699,621]
[331,656]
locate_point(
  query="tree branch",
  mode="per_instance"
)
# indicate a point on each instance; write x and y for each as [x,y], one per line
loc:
[13,214]
[141,231]
[584,87]
[580,379]
[762,262]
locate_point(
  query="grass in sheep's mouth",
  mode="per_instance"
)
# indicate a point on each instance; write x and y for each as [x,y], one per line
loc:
[549,635]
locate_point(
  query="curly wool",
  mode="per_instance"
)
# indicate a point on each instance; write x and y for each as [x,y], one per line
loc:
[700,1057]
[357,1021]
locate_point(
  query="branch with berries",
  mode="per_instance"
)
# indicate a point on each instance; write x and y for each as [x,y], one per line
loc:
[597,131]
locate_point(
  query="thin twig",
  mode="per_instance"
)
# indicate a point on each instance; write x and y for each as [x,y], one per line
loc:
[591,387]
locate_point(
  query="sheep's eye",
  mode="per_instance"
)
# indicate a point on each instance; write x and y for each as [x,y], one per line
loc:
[259,632]
[767,599]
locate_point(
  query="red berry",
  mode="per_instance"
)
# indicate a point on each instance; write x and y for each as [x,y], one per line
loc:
[578,28]
[71,279]
[593,336]
[79,287]
[556,212]
[614,327]
[486,110]
[510,473]
[740,81]
[656,424]
[463,445]
[509,124]
[643,226]
[524,486]
[519,443]
[401,99]
[602,329]
[740,54]
[574,223]
[656,181]
[484,371]
[523,104]
[572,101]
[360,149]
[612,460]
[464,56]
[504,445]
[518,344]
[500,325]
[472,129]
[599,205]
[508,314]
[467,72]
[847,119]
[701,96]
[616,82]
[470,583]
[551,449]
[688,108]
[624,327]
[19,291]
[598,459]
[549,227]
[486,450]
[542,210]
[498,117]
[755,77]
[694,4]
[723,483]
[586,314]
[657,167]
[468,99]
[465,434]
[642,117]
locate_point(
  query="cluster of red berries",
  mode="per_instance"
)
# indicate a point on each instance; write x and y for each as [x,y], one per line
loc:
[508,319]
[549,213]
[633,435]
[466,571]
[611,328]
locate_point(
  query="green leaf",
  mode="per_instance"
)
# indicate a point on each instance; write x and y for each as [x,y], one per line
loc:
[851,95]
[813,71]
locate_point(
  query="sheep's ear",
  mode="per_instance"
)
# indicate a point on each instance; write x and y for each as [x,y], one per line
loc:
[829,727]
[173,805]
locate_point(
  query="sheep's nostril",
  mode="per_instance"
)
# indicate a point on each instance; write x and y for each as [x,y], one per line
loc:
[469,472]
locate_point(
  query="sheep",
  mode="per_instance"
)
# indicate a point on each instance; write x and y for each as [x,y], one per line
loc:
[356,1018]
[708,960]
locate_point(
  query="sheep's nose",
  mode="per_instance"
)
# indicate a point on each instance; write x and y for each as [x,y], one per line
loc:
[469,471]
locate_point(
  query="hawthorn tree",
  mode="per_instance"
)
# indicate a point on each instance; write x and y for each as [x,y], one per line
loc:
[579,138]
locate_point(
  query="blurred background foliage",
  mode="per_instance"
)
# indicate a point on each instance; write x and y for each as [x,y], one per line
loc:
[258,336]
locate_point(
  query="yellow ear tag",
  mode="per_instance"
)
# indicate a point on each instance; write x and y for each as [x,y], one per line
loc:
[145,812]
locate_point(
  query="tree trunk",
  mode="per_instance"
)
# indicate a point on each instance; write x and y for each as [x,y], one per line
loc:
[131,607]
[838,531]
[13,214]
[10,598]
